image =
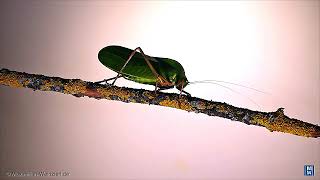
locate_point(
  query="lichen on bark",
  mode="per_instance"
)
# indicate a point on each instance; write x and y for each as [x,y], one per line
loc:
[273,121]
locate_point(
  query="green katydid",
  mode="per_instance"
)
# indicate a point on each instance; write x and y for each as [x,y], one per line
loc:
[163,73]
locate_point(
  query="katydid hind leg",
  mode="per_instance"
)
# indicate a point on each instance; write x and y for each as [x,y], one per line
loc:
[156,74]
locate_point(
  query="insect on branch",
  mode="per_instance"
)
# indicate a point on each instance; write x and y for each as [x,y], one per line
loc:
[273,121]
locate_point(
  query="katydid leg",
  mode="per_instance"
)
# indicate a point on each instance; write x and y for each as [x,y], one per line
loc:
[188,94]
[185,92]
[106,80]
[145,58]
[156,88]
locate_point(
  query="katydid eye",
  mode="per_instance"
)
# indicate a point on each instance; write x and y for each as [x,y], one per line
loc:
[173,78]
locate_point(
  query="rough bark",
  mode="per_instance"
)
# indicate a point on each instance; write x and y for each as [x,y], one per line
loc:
[273,121]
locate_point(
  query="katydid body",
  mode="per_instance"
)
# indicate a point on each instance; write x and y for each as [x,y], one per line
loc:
[163,73]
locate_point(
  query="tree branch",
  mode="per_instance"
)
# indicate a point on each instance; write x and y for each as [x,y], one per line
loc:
[273,121]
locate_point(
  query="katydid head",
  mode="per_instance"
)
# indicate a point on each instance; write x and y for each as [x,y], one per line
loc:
[181,83]
[175,74]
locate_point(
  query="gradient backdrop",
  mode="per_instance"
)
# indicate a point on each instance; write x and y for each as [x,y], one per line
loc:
[270,45]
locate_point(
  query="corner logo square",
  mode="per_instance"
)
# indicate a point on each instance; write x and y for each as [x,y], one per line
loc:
[308,170]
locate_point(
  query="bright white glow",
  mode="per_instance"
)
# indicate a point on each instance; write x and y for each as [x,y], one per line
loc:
[212,40]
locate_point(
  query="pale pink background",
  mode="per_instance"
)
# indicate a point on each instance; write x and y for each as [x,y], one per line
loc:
[270,45]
